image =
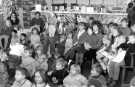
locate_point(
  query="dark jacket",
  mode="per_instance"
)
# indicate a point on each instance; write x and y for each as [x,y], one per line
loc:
[39,21]
[59,75]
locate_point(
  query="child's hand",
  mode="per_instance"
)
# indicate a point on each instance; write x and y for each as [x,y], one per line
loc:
[54,80]
[50,73]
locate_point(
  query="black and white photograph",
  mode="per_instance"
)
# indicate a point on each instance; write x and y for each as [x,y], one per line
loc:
[67,43]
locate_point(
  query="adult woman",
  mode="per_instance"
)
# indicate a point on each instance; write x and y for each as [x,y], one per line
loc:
[78,41]
[94,40]
[37,20]
[14,20]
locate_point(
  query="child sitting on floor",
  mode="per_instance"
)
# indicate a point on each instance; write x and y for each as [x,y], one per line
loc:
[41,59]
[39,79]
[96,76]
[58,75]
[20,78]
[3,74]
[28,62]
[75,79]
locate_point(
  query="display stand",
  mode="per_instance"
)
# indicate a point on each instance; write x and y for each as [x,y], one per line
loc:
[104,17]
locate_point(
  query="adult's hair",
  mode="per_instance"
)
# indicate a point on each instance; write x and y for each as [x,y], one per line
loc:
[99,25]
[17,19]
[84,24]
[130,5]
[91,18]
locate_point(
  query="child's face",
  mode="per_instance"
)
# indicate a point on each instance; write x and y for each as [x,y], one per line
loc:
[37,16]
[133,28]
[70,36]
[19,76]
[131,39]
[122,39]
[13,33]
[22,37]
[8,23]
[62,39]
[27,53]
[114,32]
[13,16]
[38,78]
[95,29]
[73,70]
[124,24]
[34,31]
[42,59]
[94,72]
[90,21]
[81,27]
[59,66]
[90,31]
[39,52]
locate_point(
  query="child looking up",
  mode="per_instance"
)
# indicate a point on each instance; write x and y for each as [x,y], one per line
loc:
[60,73]
[35,37]
[28,62]
[39,79]
[69,42]
[42,59]
[20,78]
[75,79]
[96,76]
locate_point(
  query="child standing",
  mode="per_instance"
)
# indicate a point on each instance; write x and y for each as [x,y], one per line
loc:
[35,37]
[75,79]
[45,41]
[14,37]
[20,78]
[61,45]
[69,43]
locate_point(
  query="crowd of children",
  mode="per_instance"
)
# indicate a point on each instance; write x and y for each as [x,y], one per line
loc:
[54,54]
